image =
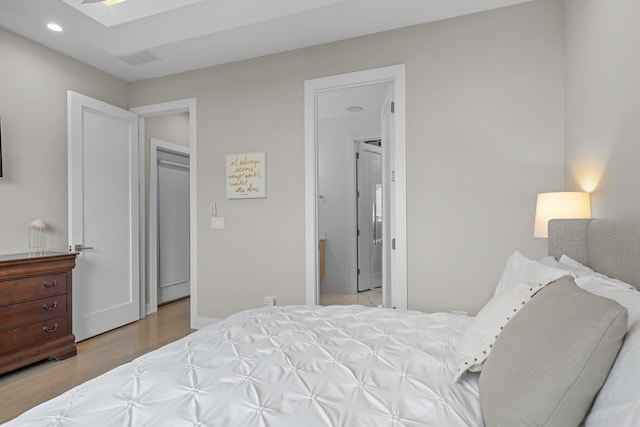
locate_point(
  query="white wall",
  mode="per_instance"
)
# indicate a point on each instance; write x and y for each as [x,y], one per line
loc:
[485,128]
[603,104]
[33,105]
[336,216]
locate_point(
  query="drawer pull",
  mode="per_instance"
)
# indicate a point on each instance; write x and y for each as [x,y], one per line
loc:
[16,331]
[50,285]
[47,330]
[50,307]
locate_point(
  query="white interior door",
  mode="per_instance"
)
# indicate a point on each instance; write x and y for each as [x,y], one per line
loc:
[103,214]
[369,188]
[173,226]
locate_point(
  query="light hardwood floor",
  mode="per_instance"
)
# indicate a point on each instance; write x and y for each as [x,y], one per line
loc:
[32,385]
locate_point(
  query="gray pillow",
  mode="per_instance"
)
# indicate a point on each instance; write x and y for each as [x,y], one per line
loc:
[549,362]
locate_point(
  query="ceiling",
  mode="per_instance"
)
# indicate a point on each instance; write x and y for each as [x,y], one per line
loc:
[141,39]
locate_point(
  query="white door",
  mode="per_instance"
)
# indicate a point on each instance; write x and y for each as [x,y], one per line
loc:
[369,196]
[173,226]
[103,215]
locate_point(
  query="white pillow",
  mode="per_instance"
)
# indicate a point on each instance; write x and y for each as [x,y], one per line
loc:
[520,269]
[578,268]
[477,340]
[618,402]
[587,272]
[622,293]
[598,284]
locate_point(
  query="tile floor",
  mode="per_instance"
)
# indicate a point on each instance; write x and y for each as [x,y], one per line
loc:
[371,298]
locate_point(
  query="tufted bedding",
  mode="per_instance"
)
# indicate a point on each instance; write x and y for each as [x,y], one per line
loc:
[286,366]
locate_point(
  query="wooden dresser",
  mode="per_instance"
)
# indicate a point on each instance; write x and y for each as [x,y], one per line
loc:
[35,309]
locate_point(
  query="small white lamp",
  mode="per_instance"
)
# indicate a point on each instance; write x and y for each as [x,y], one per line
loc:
[37,237]
[566,204]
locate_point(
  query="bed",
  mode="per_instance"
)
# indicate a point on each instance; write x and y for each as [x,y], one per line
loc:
[360,366]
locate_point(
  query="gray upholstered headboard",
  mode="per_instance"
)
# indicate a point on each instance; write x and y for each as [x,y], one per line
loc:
[610,246]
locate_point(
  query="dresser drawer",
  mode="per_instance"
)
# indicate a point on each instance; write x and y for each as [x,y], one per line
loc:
[32,311]
[27,288]
[11,339]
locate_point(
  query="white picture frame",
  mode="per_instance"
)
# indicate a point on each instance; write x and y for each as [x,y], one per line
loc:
[246,173]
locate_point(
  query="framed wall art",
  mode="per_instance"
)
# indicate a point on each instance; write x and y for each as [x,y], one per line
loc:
[246,174]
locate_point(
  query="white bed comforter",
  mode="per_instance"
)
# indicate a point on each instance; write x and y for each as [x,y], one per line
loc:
[285,366]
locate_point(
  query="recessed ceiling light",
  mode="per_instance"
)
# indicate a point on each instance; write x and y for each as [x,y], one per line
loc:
[354,109]
[54,27]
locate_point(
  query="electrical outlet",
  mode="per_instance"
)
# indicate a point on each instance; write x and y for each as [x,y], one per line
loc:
[269,301]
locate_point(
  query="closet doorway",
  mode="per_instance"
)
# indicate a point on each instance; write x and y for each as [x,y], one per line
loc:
[169,213]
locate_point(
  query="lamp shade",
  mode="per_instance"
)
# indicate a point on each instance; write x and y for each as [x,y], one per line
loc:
[567,204]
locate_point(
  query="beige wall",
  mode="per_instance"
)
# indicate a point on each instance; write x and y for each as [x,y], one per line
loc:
[485,123]
[33,105]
[484,135]
[173,128]
[254,105]
[603,104]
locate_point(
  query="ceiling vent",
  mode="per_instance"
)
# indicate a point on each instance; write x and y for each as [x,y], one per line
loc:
[139,58]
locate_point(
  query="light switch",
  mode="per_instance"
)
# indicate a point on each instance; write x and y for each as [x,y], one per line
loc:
[217,222]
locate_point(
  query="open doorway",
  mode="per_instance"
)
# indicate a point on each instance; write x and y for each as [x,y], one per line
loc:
[174,121]
[349,178]
[331,217]
[169,221]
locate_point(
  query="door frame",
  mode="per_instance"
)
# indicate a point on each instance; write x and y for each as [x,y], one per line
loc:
[179,106]
[155,145]
[312,88]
